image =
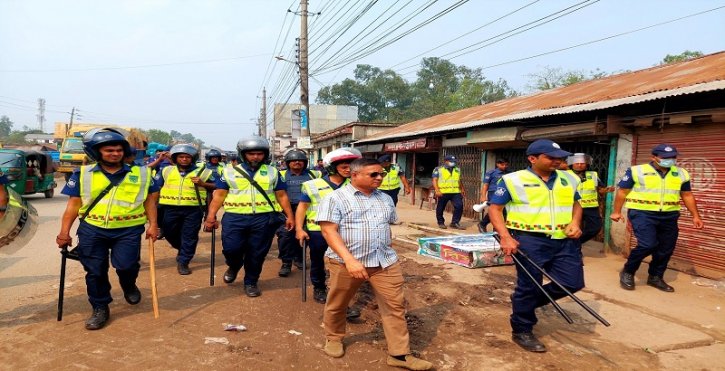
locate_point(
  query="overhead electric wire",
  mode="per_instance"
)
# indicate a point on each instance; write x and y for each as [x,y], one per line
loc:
[360,55]
[604,38]
[269,64]
[468,33]
[344,28]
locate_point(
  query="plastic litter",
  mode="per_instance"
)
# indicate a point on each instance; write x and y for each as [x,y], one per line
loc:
[213,340]
[231,327]
[293,332]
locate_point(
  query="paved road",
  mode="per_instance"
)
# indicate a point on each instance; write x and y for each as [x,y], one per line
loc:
[32,269]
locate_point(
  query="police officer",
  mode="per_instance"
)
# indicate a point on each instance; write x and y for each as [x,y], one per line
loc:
[488,186]
[544,222]
[393,178]
[337,163]
[448,187]
[183,199]
[296,174]
[249,220]
[214,162]
[115,222]
[590,187]
[651,193]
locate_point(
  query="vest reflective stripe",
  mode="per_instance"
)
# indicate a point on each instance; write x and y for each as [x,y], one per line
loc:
[179,190]
[122,206]
[535,208]
[243,197]
[392,180]
[588,189]
[294,183]
[449,182]
[316,190]
[651,192]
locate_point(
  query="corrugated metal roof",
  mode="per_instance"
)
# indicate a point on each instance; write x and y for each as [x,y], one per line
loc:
[694,76]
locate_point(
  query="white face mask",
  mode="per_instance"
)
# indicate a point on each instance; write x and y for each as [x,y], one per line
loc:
[450,164]
[666,162]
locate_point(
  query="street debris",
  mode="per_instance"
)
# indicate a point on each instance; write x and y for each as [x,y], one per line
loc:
[231,327]
[213,340]
[293,332]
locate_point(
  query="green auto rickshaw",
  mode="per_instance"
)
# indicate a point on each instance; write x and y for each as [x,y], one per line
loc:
[28,172]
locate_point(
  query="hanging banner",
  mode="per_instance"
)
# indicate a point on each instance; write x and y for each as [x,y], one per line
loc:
[407,145]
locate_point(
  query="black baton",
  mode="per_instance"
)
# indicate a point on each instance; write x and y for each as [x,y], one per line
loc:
[213,257]
[61,288]
[304,271]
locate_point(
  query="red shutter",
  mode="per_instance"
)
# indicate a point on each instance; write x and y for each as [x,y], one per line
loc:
[702,152]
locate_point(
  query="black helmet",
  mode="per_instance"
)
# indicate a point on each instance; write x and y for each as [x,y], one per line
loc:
[213,153]
[254,143]
[295,155]
[186,149]
[96,138]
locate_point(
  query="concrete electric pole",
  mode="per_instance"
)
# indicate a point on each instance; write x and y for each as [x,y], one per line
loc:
[304,74]
[263,115]
[41,114]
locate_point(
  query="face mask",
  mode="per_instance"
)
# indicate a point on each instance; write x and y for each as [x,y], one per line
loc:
[667,162]
[450,164]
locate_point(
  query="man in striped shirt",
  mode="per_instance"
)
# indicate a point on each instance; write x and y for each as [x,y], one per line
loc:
[355,221]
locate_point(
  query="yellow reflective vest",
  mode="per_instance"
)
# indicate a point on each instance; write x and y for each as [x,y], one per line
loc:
[651,192]
[588,189]
[178,190]
[535,208]
[316,190]
[392,179]
[244,198]
[121,207]
[449,180]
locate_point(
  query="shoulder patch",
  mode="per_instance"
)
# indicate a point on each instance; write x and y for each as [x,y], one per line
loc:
[564,182]
[71,183]
[500,191]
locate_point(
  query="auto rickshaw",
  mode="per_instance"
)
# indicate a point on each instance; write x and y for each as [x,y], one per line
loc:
[28,172]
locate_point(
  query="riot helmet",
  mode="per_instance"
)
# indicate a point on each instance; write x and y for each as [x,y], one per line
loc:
[185,149]
[295,155]
[579,158]
[254,143]
[338,156]
[213,153]
[96,138]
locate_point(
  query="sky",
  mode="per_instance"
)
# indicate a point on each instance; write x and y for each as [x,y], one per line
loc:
[199,66]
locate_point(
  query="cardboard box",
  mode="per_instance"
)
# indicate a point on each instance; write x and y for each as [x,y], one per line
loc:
[471,251]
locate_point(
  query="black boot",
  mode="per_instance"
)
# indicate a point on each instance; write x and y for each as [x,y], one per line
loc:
[298,264]
[658,283]
[320,295]
[285,270]
[98,319]
[626,280]
[183,269]
[132,295]
[528,341]
[230,275]
[252,290]
[352,313]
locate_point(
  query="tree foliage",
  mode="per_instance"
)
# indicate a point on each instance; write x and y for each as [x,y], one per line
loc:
[554,77]
[686,55]
[440,86]
[158,136]
[6,126]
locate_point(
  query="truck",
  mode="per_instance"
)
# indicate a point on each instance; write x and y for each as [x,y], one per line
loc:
[71,150]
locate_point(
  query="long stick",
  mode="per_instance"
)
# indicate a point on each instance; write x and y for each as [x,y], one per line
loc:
[61,288]
[152,269]
[553,302]
[213,257]
[304,271]
[569,293]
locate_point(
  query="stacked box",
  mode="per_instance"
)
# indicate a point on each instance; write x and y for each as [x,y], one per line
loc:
[471,251]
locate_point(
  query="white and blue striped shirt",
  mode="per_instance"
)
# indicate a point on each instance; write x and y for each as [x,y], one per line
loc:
[364,224]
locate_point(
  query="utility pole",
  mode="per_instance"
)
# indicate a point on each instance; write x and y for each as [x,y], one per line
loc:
[263,115]
[41,113]
[304,74]
[70,125]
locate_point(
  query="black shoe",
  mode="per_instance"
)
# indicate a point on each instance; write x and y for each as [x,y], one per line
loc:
[456,226]
[442,226]
[160,236]
[658,283]
[481,228]
[285,270]
[320,295]
[230,275]
[528,341]
[626,280]
[183,269]
[98,319]
[133,295]
[252,290]
[352,313]
[298,264]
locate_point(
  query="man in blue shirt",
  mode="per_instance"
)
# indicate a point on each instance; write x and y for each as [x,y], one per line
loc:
[488,187]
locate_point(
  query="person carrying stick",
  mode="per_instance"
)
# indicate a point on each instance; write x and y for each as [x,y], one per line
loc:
[543,221]
[114,202]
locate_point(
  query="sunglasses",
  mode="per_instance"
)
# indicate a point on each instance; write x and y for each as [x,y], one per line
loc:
[376,174]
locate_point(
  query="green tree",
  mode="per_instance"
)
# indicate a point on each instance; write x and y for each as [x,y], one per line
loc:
[686,55]
[554,77]
[6,126]
[158,136]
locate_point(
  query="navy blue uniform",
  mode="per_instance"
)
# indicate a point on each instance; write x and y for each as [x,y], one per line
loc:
[491,178]
[181,224]
[287,244]
[246,238]
[456,200]
[656,232]
[561,259]
[95,243]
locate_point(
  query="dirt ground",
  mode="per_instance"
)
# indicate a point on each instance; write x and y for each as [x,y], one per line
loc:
[456,325]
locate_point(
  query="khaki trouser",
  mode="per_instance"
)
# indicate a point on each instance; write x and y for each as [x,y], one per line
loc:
[388,287]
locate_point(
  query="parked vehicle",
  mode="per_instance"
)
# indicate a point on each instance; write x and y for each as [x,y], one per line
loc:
[28,172]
